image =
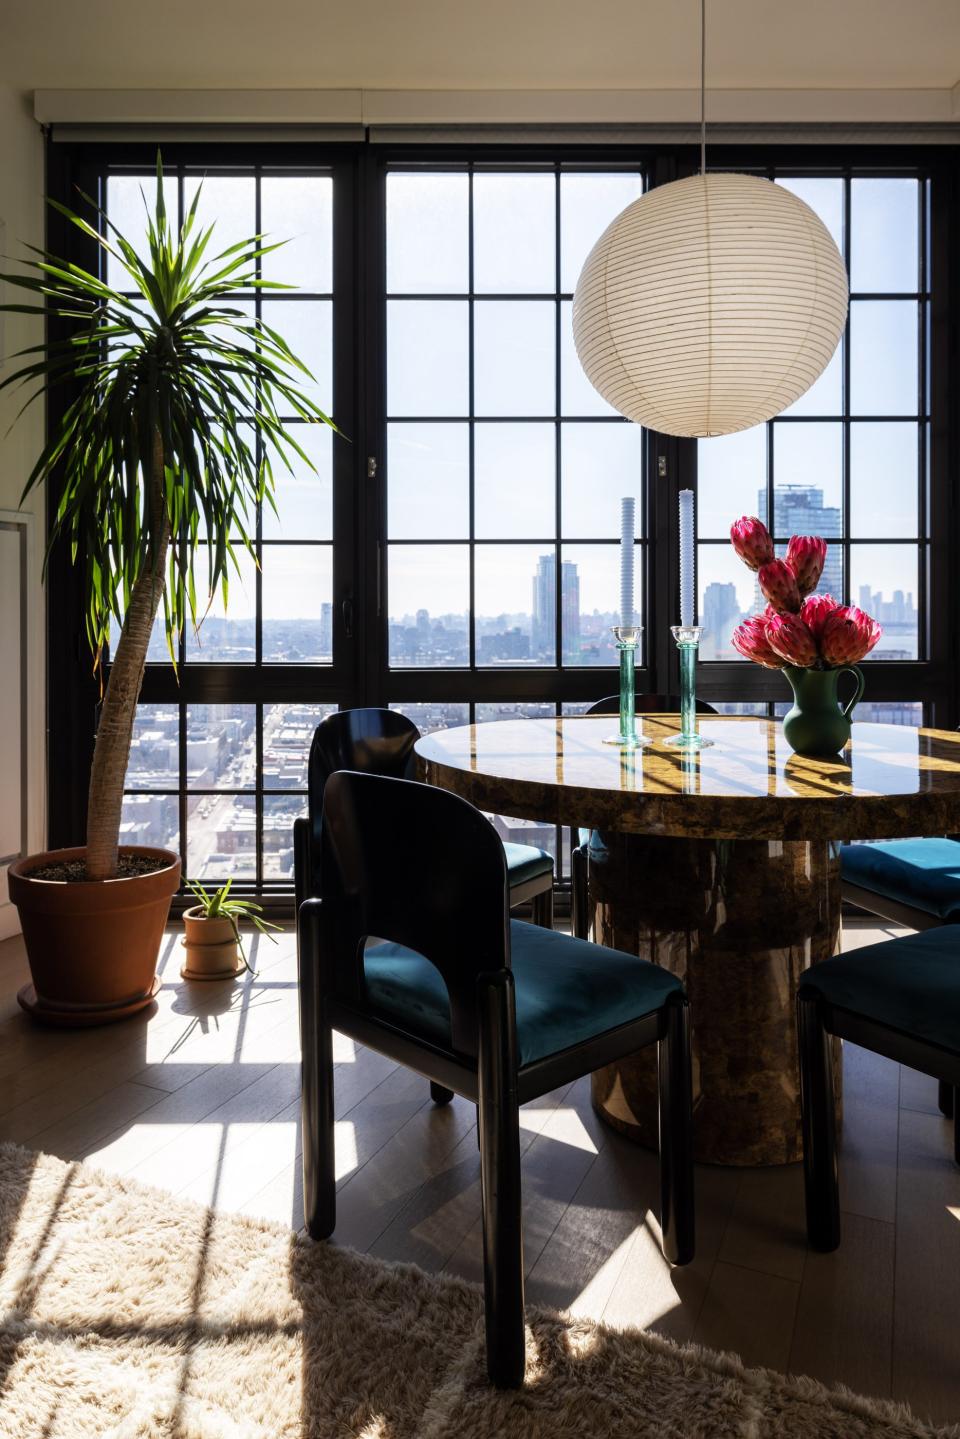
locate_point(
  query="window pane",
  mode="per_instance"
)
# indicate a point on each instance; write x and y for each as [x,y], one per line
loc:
[884,234]
[427,367]
[307,328]
[428,482]
[279,813]
[429,601]
[591,597]
[298,209]
[430,716]
[731,480]
[520,709]
[908,712]
[130,199]
[155,750]
[802,453]
[600,464]
[287,736]
[726,592]
[297,588]
[883,581]
[229,202]
[577,395]
[225,637]
[303,497]
[515,606]
[824,195]
[883,357]
[825,395]
[221,747]
[514,233]
[884,462]
[515,481]
[427,250]
[222,837]
[152,819]
[514,364]
[588,203]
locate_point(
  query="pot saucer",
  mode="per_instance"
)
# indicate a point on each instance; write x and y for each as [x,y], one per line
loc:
[82,1016]
[230,972]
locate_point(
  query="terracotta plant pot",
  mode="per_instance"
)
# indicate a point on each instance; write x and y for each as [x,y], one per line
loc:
[211,945]
[92,946]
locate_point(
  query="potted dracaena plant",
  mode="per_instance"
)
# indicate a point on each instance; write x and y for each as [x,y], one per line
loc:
[214,949]
[161,452]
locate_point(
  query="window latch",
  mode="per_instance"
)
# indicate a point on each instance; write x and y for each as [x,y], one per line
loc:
[347,612]
[371,467]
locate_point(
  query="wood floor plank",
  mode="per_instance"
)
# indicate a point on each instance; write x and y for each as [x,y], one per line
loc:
[766,1230]
[750,1313]
[926,1341]
[844,1321]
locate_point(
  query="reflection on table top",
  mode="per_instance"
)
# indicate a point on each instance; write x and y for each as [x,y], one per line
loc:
[891,780]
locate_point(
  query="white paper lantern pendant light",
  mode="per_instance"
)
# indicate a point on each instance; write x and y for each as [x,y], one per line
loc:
[710,304]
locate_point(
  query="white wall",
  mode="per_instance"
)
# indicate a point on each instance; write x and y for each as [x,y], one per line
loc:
[22,769]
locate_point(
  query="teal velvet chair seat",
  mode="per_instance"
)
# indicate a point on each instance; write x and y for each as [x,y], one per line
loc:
[901,999]
[525,862]
[911,985]
[921,874]
[567,990]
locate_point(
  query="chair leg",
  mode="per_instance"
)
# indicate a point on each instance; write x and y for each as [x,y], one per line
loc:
[676,1136]
[819,1126]
[543,908]
[500,1182]
[945,1099]
[956,1125]
[578,893]
[316,1100]
[439,1094]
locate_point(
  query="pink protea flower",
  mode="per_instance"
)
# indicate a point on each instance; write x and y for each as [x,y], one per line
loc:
[751,540]
[814,612]
[788,636]
[848,635]
[750,640]
[805,556]
[779,585]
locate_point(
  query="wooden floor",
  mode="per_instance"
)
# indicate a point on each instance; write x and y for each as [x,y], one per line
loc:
[201,1099]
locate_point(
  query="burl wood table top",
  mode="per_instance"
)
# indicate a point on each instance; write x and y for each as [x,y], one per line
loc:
[891,780]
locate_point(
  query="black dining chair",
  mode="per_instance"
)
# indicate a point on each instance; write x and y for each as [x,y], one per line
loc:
[496,1010]
[915,882]
[899,998]
[580,838]
[380,741]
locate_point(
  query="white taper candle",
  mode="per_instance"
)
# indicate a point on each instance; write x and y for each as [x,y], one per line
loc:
[686,557]
[626,559]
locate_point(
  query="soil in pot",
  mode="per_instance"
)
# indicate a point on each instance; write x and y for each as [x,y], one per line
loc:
[92,945]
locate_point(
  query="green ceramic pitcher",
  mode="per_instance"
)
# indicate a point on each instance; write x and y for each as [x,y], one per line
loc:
[818,725]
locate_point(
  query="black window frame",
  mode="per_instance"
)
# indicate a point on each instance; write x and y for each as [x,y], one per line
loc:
[361,673]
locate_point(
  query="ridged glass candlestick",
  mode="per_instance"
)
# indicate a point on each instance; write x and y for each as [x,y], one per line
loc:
[627,638]
[688,642]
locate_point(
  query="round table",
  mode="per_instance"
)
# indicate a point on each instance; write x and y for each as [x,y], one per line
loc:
[720,864]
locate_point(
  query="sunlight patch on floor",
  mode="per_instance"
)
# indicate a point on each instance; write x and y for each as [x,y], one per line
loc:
[566,1127]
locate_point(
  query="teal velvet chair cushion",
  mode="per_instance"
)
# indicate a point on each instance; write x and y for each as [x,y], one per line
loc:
[525,862]
[567,990]
[911,984]
[924,873]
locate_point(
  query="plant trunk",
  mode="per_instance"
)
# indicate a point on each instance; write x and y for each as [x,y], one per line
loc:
[111,752]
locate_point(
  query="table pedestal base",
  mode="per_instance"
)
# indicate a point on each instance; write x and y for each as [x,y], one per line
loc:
[738,921]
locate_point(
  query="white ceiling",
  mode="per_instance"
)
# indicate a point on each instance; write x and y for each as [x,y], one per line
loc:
[492,44]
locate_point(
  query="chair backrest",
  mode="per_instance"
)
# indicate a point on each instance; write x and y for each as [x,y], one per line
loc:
[442,891]
[648,705]
[371,741]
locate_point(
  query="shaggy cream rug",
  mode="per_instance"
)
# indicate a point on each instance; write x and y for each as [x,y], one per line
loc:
[129,1315]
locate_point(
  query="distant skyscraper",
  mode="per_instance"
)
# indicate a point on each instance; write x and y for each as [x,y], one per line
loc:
[326,628]
[800,510]
[721,615]
[544,608]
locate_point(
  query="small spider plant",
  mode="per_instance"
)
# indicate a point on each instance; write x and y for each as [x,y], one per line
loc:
[217,904]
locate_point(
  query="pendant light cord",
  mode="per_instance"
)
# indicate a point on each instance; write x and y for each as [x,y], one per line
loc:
[703,87]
